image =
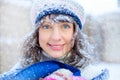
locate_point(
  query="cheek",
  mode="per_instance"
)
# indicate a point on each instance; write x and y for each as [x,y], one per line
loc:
[68,39]
[43,38]
[69,36]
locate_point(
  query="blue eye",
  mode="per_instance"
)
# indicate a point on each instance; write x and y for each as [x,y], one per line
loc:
[46,26]
[66,26]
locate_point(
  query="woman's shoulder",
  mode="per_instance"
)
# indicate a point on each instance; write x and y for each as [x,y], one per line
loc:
[95,72]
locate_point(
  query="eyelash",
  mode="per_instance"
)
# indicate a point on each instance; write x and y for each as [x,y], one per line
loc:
[46,26]
[66,26]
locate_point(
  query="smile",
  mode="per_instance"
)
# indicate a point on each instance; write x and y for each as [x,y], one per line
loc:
[56,47]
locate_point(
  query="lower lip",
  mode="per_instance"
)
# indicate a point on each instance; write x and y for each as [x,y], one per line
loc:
[56,48]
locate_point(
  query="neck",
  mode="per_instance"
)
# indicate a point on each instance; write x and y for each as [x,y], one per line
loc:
[45,57]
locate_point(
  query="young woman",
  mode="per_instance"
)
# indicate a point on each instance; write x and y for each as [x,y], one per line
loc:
[58,36]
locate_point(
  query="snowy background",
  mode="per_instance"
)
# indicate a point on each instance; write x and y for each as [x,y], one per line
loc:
[102,27]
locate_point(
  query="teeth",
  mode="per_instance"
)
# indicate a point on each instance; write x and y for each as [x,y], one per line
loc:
[57,46]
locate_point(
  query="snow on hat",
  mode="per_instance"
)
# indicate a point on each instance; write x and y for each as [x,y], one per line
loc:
[43,8]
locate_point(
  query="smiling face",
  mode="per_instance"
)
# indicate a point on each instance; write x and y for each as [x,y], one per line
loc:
[55,38]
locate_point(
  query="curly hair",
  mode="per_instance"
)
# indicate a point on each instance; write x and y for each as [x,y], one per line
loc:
[80,53]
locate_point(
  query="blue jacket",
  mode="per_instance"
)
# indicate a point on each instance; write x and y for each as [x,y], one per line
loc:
[42,69]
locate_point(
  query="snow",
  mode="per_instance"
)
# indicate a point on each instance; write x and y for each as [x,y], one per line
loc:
[98,7]
[95,7]
[114,70]
[25,3]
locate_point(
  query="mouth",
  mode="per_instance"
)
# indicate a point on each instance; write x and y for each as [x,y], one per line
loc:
[56,47]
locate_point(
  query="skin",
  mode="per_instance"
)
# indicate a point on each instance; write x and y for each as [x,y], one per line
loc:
[55,38]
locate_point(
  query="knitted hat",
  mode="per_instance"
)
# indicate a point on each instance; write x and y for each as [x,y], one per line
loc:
[43,8]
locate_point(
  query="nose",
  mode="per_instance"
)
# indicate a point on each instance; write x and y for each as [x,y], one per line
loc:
[56,35]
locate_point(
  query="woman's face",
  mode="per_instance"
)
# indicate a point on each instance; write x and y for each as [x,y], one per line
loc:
[55,38]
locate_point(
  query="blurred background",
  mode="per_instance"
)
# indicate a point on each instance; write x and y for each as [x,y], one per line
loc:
[102,27]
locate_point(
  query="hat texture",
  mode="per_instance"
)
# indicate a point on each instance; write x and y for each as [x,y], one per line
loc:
[43,8]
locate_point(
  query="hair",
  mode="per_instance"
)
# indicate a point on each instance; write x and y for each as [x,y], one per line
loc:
[80,53]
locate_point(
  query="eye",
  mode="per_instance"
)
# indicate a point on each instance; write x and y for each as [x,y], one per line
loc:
[46,27]
[66,26]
